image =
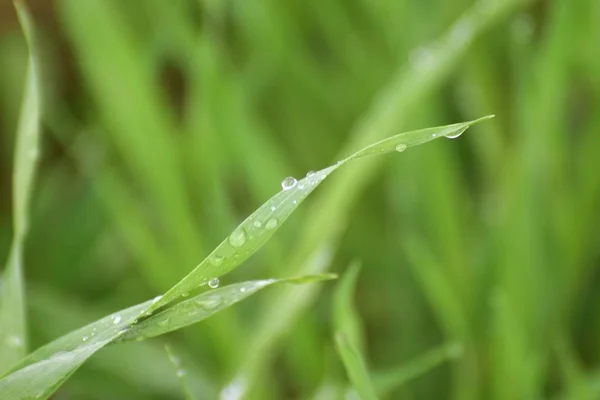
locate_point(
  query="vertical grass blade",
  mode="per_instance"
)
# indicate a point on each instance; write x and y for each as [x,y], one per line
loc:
[181,373]
[346,325]
[12,297]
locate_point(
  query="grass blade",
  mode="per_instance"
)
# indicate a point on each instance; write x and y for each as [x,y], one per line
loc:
[259,227]
[204,305]
[181,373]
[347,335]
[138,322]
[387,381]
[12,298]
[43,371]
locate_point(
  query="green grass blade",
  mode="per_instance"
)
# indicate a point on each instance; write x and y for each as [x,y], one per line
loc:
[345,317]
[259,227]
[204,305]
[138,322]
[355,367]
[387,381]
[346,323]
[12,297]
[43,371]
[181,373]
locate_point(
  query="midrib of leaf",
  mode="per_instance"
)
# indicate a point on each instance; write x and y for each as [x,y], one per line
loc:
[13,329]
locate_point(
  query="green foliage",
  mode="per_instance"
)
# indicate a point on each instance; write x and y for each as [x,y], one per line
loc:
[166,123]
[13,333]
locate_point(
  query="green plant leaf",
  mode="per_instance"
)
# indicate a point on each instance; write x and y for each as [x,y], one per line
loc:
[347,340]
[181,372]
[259,227]
[355,367]
[386,381]
[13,330]
[43,371]
[52,364]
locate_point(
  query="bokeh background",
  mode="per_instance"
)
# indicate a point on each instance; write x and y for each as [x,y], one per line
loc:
[167,122]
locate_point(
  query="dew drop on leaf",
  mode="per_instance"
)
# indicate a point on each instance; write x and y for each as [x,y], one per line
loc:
[289,183]
[400,147]
[213,283]
[271,224]
[237,238]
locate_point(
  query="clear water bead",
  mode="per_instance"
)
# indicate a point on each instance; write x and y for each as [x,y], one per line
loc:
[237,238]
[116,319]
[257,224]
[310,173]
[456,134]
[271,224]
[400,147]
[213,283]
[156,299]
[289,183]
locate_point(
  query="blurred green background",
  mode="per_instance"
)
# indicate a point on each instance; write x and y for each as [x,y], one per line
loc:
[167,122]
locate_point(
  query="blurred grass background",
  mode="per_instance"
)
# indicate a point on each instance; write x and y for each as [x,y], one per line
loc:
[167,122]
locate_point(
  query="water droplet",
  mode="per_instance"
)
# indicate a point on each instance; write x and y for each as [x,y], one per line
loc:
[156,299]
[216,260]
[271,224]
[237,238]
[85,338]
[400,147]
[289,183]
[272,208]
[310,173]
[213,283]
[301,186]
[433,134]
[455,134]
[116,319]
[243,289]
[295,201]
[257,224]
[339,162]
[185,294]
[208,304]
[163,322]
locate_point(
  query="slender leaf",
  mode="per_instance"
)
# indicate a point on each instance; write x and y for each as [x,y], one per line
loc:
[346,337]
[43,371]
[12,298]
[387,381]
[141,321]
[258,228]
[355,367]
[181,373]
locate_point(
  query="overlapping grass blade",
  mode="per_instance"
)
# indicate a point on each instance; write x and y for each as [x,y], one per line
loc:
[12,298]
[43,371]
[346,325]
[139,322]
[258,228]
